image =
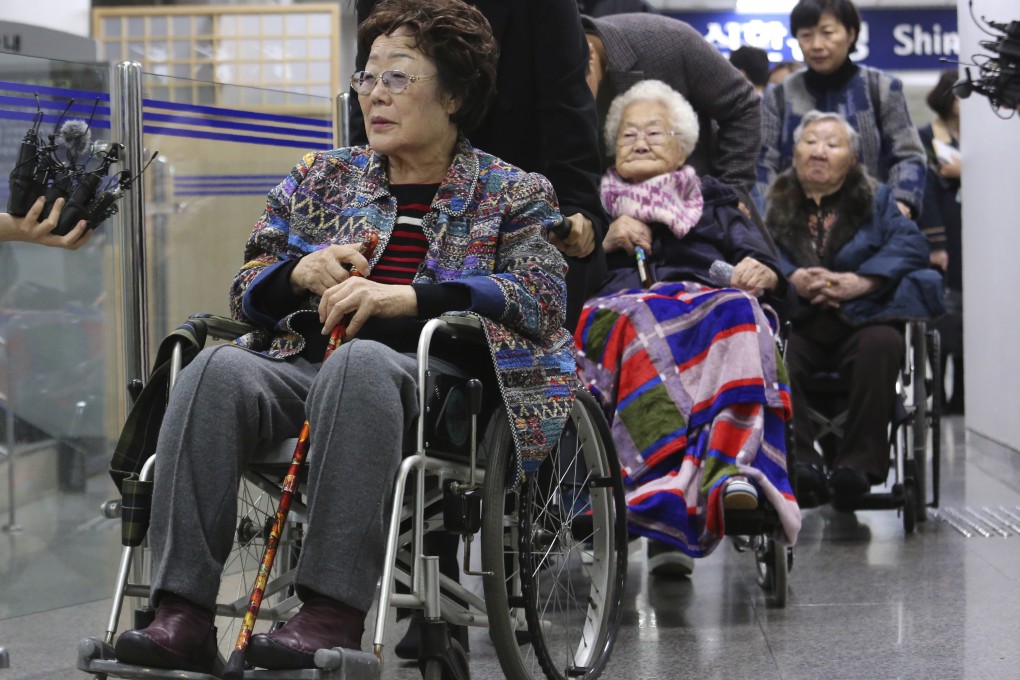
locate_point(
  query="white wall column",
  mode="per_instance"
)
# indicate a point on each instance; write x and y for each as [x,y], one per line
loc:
[991,248]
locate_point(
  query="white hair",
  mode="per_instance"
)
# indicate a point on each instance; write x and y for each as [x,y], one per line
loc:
[814,116]
[682,118]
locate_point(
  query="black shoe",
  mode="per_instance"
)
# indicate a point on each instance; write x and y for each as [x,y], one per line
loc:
[321,623]
[665,560]
[812,486]
[848,483]
[181,637]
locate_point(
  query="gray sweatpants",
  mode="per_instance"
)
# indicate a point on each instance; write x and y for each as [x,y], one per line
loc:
[230,402]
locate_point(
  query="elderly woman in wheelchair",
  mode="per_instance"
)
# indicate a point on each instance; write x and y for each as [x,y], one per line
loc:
[689,367]
[458,230]
[860,269]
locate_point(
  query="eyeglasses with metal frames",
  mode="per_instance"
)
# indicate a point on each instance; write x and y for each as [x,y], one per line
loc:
[395,82]
[654,137]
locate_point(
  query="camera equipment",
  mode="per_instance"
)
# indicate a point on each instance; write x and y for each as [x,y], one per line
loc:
[998,76]
[70,166]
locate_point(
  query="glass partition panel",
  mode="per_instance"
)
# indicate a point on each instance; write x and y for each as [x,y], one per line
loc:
[208,185]
[62,385]
[59,361]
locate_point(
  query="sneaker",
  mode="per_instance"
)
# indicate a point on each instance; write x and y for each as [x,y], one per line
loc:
[740,494]
[665,560]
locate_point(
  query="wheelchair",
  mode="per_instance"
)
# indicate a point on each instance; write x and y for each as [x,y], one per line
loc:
[553,540]
[914,425]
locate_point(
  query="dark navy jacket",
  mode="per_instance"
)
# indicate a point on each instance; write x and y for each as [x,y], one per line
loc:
[883,243]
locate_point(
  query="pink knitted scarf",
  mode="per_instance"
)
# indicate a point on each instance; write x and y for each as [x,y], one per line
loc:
[673,199]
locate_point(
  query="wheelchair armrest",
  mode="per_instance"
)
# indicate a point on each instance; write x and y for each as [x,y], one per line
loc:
[223,327]
[463,327]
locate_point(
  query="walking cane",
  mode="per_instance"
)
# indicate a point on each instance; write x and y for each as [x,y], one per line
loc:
[235,665]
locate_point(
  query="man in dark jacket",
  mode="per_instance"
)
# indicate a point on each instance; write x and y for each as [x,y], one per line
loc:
[627,48]
[542,120]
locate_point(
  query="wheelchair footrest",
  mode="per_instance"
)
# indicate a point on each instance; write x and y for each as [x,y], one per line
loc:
[97,657]
[870,501]
[333,664]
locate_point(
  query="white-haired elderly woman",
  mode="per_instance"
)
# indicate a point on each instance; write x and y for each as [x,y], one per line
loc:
[687,368]
[859,268]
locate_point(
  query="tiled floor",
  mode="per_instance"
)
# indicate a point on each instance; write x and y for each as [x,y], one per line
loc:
[865,600]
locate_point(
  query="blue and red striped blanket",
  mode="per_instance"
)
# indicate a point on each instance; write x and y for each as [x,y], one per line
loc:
[696,392]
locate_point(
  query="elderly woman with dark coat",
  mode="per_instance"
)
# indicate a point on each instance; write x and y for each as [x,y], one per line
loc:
[688,368]
[458,230]
[860,269]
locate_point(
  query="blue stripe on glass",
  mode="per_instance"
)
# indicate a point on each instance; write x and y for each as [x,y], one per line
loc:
[55,91]
[48,119]
[218,192]
[236,113]
[232,125]
[206,177]
[84,107]
[224,137]
[223,183]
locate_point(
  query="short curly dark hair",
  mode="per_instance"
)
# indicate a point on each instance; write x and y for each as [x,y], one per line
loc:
[456,37]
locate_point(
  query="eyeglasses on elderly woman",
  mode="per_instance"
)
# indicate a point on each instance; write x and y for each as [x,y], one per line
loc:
[654,137]
[395,82]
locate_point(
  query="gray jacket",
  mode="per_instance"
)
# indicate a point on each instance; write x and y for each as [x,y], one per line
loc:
[652,46]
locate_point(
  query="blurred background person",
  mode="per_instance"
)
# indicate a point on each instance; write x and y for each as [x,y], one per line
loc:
[782,69]
[753,64]
[871,101]
[942,218]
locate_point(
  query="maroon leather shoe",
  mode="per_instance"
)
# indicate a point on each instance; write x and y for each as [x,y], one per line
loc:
[181,637]
[321,623]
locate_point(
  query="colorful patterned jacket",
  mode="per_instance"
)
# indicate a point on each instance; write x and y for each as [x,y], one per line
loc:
[485,231]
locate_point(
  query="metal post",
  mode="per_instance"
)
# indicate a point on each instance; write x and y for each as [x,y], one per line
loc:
[342,131]
[126,126]
[12,523]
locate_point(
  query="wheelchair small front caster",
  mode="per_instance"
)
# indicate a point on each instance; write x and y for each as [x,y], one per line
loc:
[440,657]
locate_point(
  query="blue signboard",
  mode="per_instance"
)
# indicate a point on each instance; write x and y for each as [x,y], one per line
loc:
[891,39]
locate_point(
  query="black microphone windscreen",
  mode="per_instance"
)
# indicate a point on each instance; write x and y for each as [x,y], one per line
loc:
[75,136]
[963,87]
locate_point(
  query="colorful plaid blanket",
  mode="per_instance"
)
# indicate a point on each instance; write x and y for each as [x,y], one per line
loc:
[692,382]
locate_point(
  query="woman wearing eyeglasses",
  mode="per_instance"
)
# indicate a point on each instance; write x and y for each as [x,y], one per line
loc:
[688,368]
[458,230]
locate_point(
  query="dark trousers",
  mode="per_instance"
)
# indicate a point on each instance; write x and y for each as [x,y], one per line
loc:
[869,357]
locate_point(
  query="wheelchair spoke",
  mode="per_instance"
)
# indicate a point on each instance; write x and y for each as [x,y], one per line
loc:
[567,574]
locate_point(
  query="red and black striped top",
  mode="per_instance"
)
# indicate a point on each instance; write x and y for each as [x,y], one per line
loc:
[407,247]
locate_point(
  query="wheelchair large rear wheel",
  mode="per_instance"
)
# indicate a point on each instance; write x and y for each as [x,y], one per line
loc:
[557,549]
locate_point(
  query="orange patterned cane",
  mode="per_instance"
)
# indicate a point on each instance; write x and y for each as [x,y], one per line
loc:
[235,665]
